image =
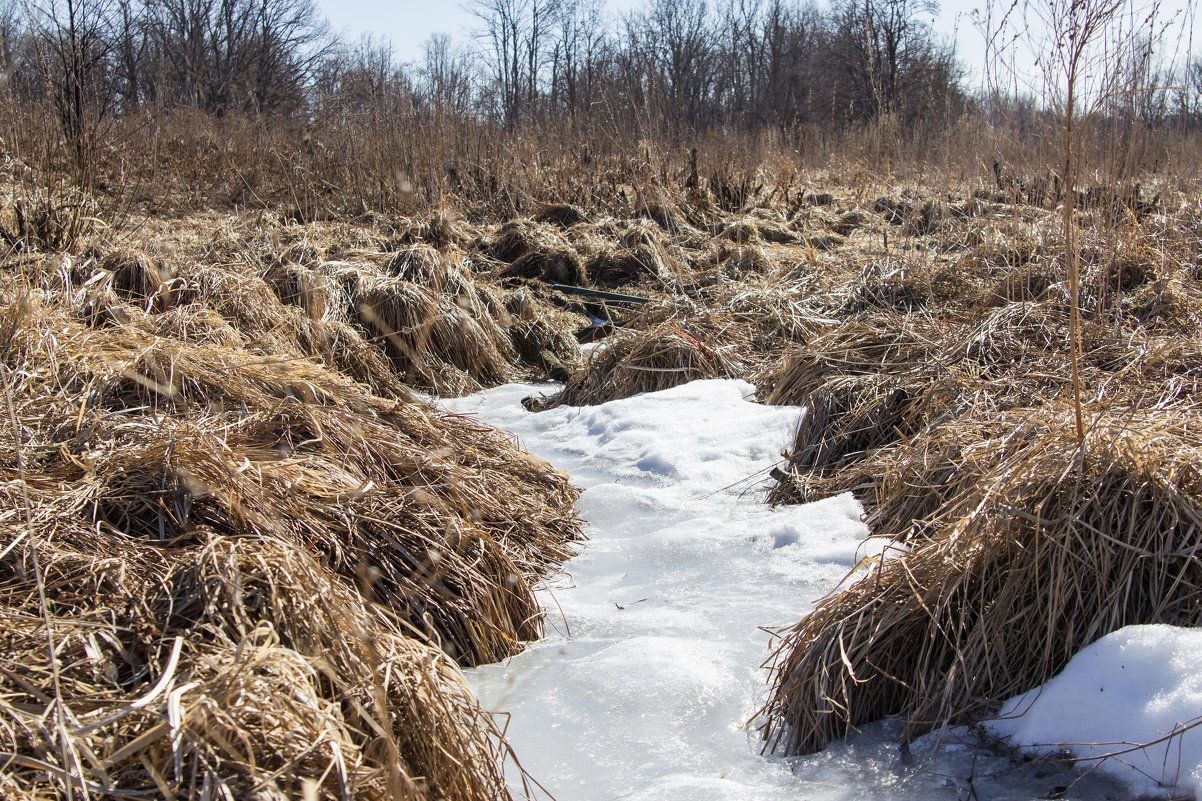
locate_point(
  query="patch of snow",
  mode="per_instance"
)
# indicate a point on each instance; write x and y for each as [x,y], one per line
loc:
[651,666]
[589,348]
[1140,684]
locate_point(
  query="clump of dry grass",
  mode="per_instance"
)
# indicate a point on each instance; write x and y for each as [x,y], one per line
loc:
[413,315]
[846,417]
[754,229]
[442,229]
[628,265]
[237,667]
[616,254]
[565,215]
[424,265]
[516,238]
[1031,338]
[137,277]
[1043,545]
[849,222]
[437,340]
[553,266]
[895,210]
[776,317]
[668,216]
[287,448]
[195,322]
[724,331]
[257,573]
[742,260]
[889,285]
[912,479]
[1170,305]
[544,337]
[926,218]
[37,219]
[317,291]
[863,385]
[868,345]
[661,357]
[1028,281]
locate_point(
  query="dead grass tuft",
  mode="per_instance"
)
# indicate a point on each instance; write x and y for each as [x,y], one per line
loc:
[39,220]
[258,572]
[1043,546]
[644,361]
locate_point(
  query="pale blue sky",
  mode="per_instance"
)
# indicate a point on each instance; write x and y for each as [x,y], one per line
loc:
[408,24]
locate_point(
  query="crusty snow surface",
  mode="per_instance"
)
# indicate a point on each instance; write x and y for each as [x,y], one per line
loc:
[651,667]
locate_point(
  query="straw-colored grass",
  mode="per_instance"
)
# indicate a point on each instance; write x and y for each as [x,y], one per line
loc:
[287,448]
[235,667]
[1042,546]
[544,337]
[640,361]
[259,576]
[37,219]
[425,332]
[554,267]
[642,262]
[218,426]
[863,385]
[517,238]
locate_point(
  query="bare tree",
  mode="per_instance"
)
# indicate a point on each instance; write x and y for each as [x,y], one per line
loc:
[73,43]
[253,55]
[576,56]
[678,45]
[518,36]
[129,52]
[889,60]
[448,76]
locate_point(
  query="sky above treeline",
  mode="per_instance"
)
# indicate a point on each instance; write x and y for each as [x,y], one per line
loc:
[408,24]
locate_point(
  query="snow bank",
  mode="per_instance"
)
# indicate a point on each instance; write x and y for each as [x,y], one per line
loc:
[1138,685]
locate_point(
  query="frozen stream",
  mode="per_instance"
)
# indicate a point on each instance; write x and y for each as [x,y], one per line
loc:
[651,663]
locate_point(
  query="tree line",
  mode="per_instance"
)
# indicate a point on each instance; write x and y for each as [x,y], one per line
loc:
[668,70]
[675,66]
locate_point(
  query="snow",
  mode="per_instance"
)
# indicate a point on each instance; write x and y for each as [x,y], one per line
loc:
[1137,685]
[652,663]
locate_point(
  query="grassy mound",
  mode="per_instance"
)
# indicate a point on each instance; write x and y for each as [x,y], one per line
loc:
[258,575]
[864,385]
[639,361]
[1041,545]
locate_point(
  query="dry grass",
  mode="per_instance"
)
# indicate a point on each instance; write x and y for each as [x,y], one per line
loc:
[259,575]
[37,219]
[942,400]
[219,423]
[863,385]
[641,361]
[1042,546]
[230,667]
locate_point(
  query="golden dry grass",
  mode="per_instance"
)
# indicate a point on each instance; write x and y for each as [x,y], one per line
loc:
[1039,546]
[258,575]
[221,422]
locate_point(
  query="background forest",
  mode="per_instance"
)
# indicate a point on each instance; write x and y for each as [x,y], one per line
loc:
[245,102]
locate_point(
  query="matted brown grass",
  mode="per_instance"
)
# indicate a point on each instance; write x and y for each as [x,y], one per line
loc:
[863,385]
[259,576]
[1043,545]
[640,361]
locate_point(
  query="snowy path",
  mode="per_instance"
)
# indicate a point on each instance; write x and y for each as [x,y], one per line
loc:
[650,666]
